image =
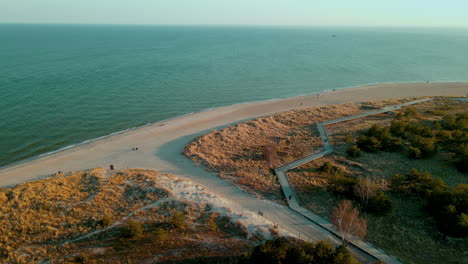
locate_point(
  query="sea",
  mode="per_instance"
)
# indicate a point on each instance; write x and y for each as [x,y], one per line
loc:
[61,85]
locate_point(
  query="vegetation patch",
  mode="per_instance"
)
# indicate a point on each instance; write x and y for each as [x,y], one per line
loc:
[97,216]
[430,137]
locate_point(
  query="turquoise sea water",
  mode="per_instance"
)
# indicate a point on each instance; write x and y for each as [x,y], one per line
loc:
[64,84]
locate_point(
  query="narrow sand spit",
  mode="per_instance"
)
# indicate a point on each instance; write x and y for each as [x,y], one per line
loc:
[160,146]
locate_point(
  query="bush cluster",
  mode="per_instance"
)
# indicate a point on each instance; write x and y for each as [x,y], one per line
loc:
[461,157]
[342,184]
[424,141]
[452,122]
[353,151]
[379,205]
[423,147]
[331,169]
[449,207]
[133,229]
[450,210]
[376,203]
[421,183]
[378,138]
[281,250]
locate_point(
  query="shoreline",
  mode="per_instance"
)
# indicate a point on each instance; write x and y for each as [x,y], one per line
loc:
[88,141]
[236,112]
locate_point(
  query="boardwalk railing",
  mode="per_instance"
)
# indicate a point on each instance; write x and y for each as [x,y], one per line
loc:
[291,196]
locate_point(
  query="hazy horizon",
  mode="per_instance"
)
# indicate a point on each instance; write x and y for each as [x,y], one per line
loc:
[300,13]
[247,25]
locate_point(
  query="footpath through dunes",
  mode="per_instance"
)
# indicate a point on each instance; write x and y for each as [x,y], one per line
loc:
[160,146]
[293,203]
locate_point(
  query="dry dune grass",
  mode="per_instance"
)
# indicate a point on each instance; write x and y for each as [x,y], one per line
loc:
[41,220]
[238,152]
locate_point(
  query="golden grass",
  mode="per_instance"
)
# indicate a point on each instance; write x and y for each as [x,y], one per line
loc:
[40,220]
[236,152]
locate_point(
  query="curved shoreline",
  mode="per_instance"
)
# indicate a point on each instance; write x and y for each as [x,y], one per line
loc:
[88,141]
[236,113]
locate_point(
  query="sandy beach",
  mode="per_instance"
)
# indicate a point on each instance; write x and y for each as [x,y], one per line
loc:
[160,145]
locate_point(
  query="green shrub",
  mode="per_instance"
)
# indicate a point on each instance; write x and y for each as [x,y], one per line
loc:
[450,210]
[460,136]
[375,131]
[419,130]
[353,152]
[327,167]
[449,122]
[349,138]
[212,225]
[390,143]
[398,128]
[281,250]
[133,229]
[330,168]
[415,153]
[342,184]
[369,144]
[410,112]
[82,259]
[178,221]
[462,121]
[105,221]
[399,116]
[427,146]
[161,235]
[421,183]
[461,158]
[380,205]
[444,136]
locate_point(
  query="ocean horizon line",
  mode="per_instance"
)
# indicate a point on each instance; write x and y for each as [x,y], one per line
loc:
[279,26]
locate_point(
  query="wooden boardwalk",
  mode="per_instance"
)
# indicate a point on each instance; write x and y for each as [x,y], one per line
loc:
[356,245]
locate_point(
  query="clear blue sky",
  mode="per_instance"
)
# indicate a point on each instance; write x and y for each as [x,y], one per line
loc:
[239,12]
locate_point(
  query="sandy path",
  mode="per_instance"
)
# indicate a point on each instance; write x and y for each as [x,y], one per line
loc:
[160,146]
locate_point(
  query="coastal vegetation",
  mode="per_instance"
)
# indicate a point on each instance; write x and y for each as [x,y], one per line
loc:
[98,216]
[246,153]
[286,251]
[417,215]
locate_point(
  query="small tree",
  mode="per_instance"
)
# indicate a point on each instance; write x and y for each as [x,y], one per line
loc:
[345,218]
[366,189]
